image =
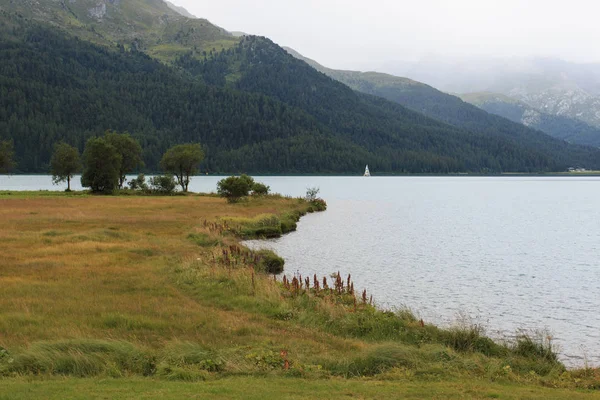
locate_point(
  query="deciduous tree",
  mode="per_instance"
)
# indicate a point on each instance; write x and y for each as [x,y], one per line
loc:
[182,161]
[102,163]
[130,151]
[64,163]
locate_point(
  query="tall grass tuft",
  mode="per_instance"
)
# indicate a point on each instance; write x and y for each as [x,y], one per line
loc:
[81,358]
[538,346]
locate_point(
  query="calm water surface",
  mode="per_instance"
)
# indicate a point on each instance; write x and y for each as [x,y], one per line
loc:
[507,253]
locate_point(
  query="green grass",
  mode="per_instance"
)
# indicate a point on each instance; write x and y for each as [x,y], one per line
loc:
[260,388]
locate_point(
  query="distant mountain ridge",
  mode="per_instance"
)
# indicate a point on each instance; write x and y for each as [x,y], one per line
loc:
[570,129]
[550,85]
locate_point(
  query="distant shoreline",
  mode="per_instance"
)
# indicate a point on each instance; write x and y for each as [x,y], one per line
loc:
[466,175]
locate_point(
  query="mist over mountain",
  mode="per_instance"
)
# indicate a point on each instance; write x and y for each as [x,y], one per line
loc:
[551,85]
[566,128]
[180,10]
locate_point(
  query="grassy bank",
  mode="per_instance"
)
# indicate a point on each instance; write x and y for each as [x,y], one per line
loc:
[274,387]
[126,293]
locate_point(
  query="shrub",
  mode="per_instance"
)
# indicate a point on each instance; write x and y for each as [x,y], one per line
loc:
[234,188]
[270,262]
[260,189]
[139,183]
[316,203]
[163,184]
[311,194]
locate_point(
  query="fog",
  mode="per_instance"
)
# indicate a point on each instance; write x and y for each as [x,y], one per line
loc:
[353,34]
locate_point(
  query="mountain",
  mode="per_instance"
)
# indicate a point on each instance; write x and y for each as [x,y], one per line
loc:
[254,107]
[258,65]
[180,10]
[553,86]
[452,110]
[151,26]
[569,129]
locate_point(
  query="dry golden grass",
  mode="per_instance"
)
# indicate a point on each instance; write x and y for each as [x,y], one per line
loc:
[98,267]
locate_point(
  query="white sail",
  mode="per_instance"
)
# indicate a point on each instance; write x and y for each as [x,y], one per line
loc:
[367,173]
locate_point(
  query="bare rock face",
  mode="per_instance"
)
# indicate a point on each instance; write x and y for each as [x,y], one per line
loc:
[98,12]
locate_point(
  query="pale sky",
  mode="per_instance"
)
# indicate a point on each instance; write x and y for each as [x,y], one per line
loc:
[361,34]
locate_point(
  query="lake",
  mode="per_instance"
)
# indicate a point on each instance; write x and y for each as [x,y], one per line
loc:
[506,253]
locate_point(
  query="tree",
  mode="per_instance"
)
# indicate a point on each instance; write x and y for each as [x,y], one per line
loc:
[7,154]
[102,163]
[235,187]
[130,151]
[64,163]
[182,161]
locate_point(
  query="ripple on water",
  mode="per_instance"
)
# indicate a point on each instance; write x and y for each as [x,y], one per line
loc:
[517,253]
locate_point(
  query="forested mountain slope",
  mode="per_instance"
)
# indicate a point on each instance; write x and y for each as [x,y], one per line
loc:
[57,88]
[252,106]
[452,110]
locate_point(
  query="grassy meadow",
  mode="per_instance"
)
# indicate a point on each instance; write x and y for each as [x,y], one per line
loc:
[149,296]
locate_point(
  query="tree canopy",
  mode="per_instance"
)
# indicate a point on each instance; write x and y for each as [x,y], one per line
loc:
[130,151]
[182,161]
[101,162]
[7,155]
[64,163]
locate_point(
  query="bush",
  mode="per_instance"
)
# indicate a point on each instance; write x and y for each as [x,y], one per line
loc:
[269,262]
[311,194]
[234,188]
[139,183]
[316,203]
[260,189]
[163,184]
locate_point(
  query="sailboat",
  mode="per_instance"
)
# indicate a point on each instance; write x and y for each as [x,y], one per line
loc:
[367,173]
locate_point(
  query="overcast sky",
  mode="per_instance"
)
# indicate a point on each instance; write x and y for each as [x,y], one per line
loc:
[366,34]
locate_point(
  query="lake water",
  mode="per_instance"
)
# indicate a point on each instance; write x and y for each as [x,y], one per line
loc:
[506,253]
